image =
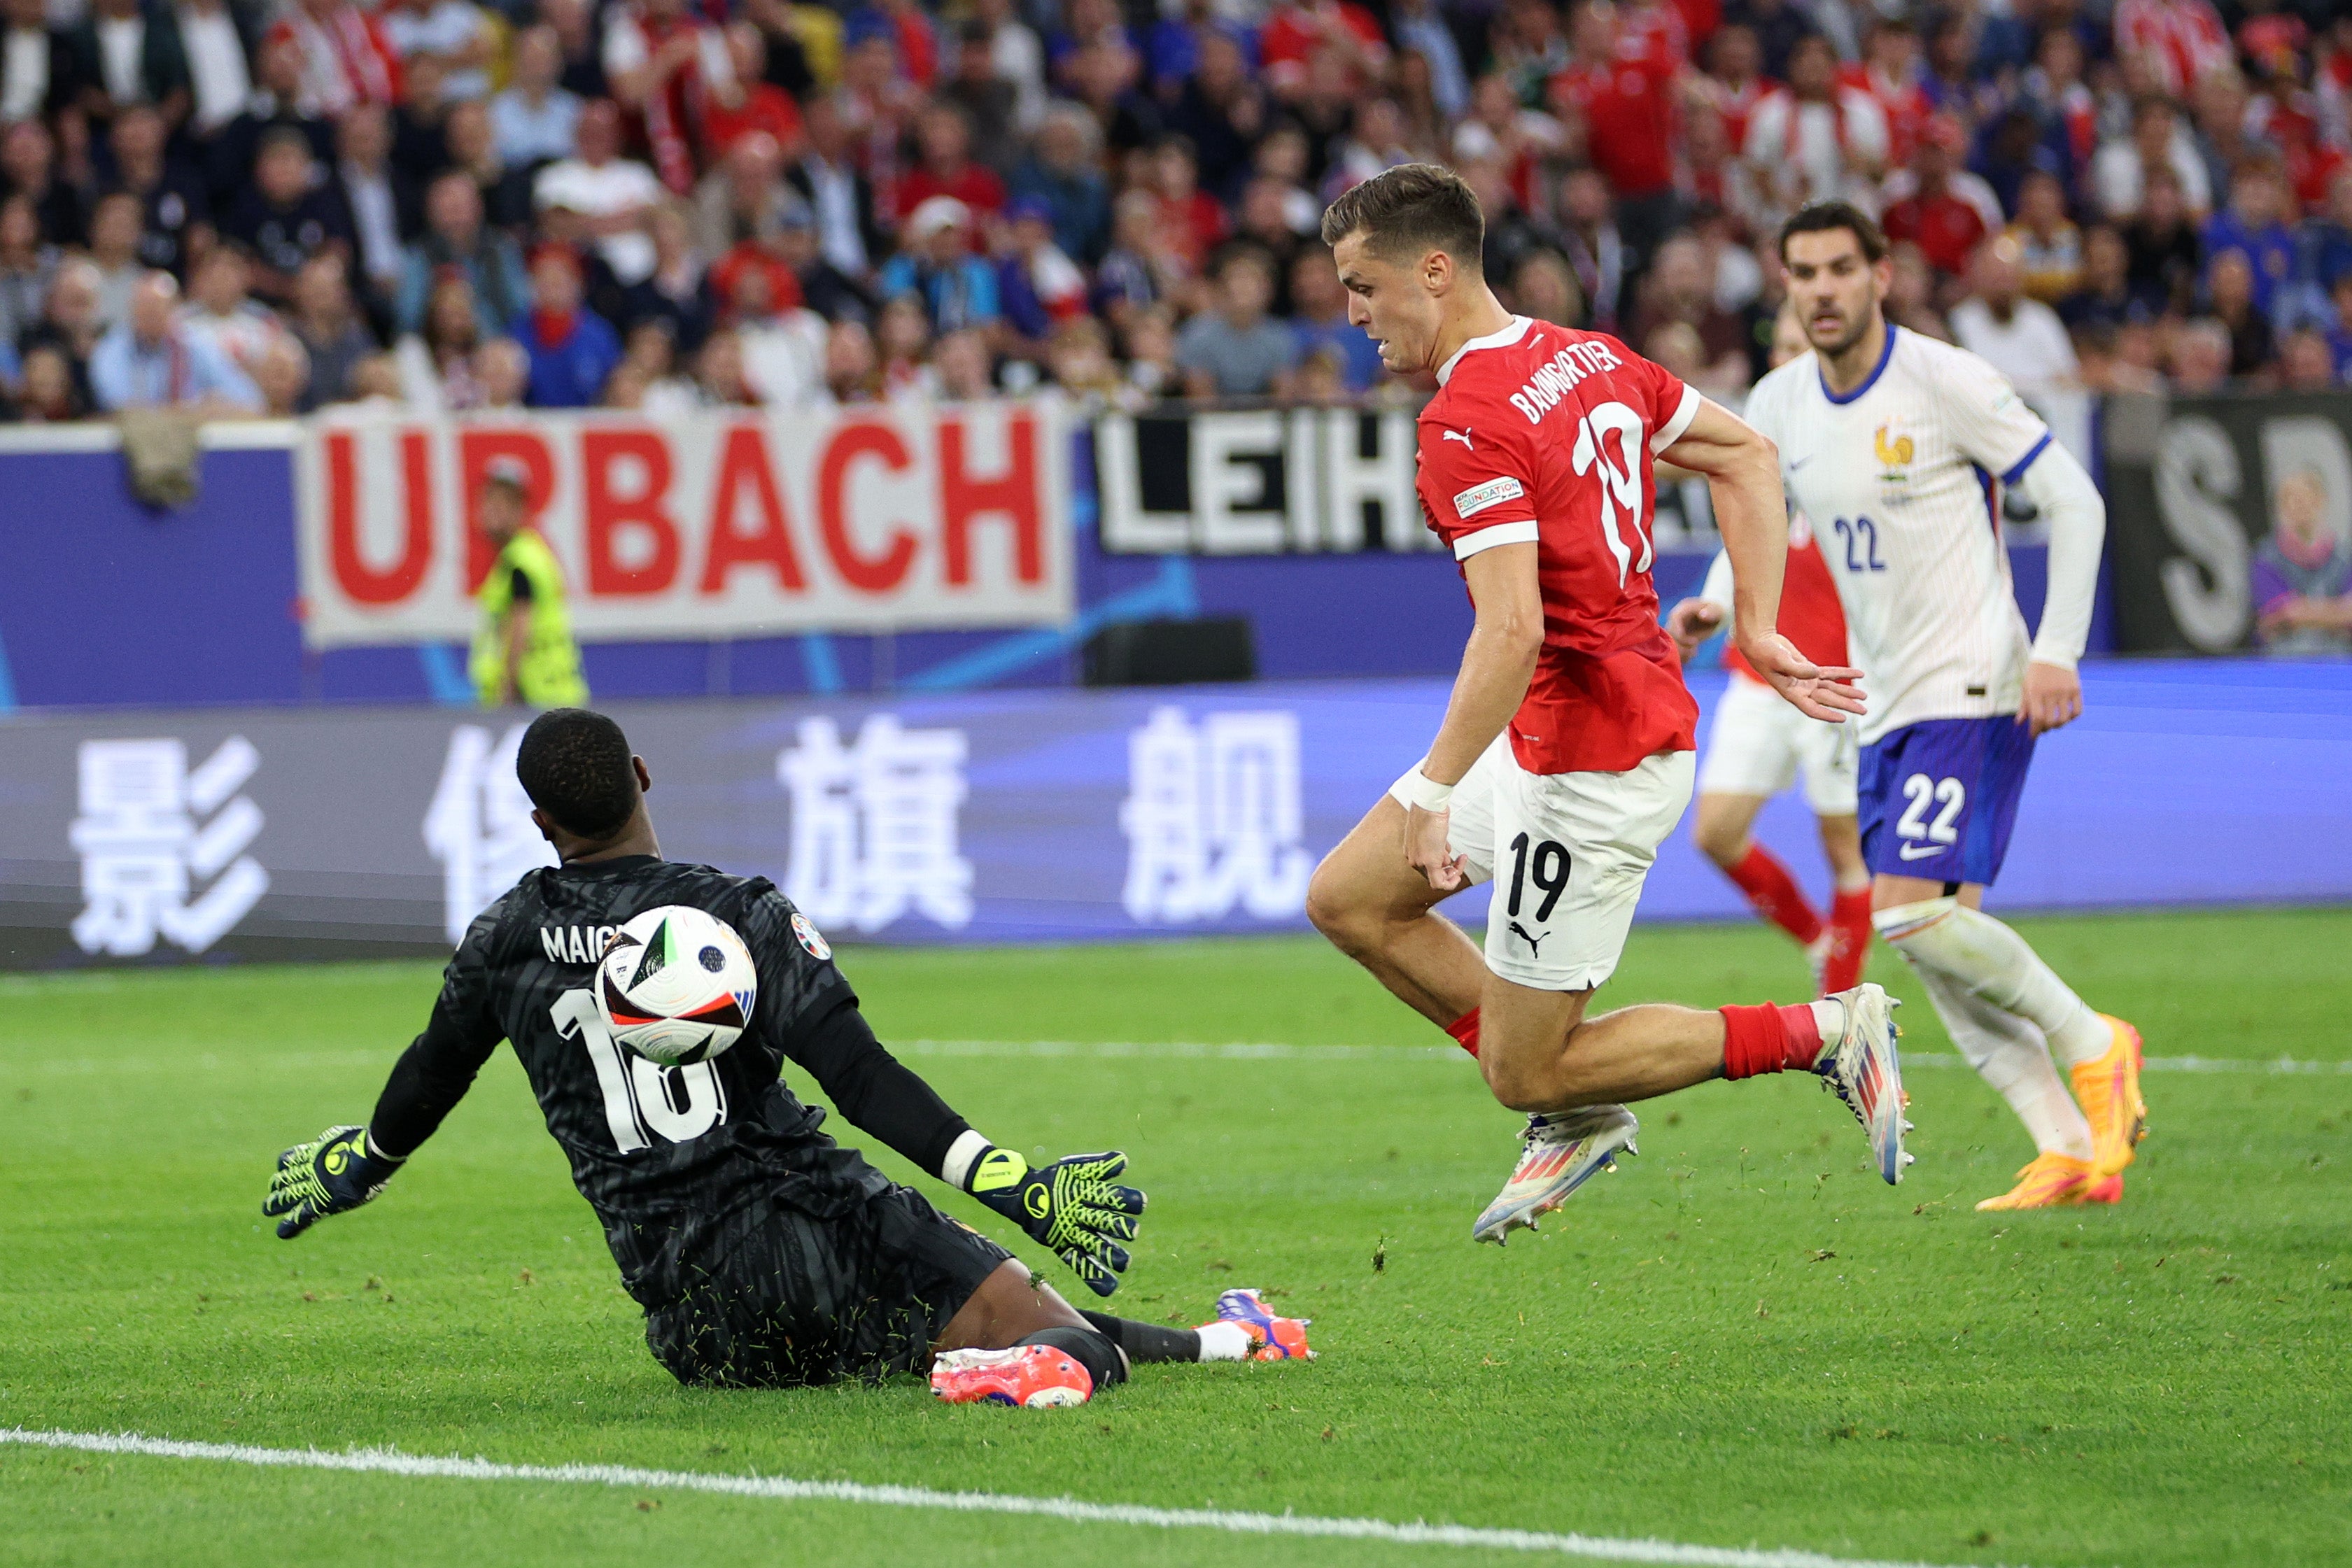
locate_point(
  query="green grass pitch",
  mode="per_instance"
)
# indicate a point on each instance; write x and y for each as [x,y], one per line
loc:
[1741,1340]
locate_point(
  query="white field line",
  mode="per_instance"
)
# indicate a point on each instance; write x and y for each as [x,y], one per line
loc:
[1275,1050]
[385,1461]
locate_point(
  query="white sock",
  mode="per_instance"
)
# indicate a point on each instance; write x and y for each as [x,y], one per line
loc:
[1829,1018]
[1993,963]
[1224,1342]
[2009,1054]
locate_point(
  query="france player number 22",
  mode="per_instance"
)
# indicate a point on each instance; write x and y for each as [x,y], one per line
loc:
[1922,791]
[1861,536]
[642,1099]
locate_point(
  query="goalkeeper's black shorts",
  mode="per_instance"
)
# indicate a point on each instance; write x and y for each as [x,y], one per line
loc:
[778,1298]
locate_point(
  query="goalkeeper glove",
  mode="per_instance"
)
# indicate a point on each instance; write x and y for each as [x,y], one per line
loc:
[1070,1208]
[331,1174]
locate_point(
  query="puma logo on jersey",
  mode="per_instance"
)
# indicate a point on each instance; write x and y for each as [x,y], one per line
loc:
[1555,381]
[575,944]
[1461,435]
[1535,944]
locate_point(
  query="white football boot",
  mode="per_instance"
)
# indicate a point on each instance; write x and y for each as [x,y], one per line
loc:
[1563,1148]
[1864,1068]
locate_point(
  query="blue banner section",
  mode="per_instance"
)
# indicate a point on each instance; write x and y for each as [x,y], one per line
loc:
[1021,816]
[108,602]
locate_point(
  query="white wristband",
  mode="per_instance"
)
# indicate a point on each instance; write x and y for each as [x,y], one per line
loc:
[962,1154]
[1418,789]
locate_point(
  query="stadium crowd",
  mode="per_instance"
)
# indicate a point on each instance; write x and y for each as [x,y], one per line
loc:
[663,204]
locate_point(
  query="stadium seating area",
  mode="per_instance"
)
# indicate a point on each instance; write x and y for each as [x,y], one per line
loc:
[658,205]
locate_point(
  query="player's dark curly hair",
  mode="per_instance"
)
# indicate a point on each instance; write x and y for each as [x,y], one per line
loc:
[1824,217]
[574,766]
[1410,211]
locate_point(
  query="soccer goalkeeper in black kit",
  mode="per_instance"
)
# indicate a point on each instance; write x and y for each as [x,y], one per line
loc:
[763,1254]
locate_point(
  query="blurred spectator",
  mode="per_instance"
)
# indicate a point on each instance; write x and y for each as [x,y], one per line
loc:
[437,360]
[1946,211]
[1234,349]
[1221,111]
[2220,107]
[276,103]
[2340,330]
[1815,141]
[826,176]
[1133,273]
[2018,335]
[126,53]
[2050,249]
[1037,285]
[282,377]
[2181,40]
[1911,296]
[902,345]
[1595,252]
[330,330]
[344,56]
[1542,289]
[719,373]
[285,218]
[49,391]
[2305,362]
[1627,103]
[852,368]
[742,196]
[501,374]
[456,242]
[1420,28]
[217,38]
[1079,359]
[1296,31]
[2101,296]
[453,33]
[1192,222]
[747,101]
[37,66]
[474,151]
[965,372]
[1150,339]
[782,340]
[1679,289]
[27,265]
[2198,359]
[575,26]
[946,168]
[2301,581]
[219,307]
[2068,109]
[151,360]
[675,293]
[1318,307]
[955,287]
[2162,241]
[2121,172]
[1888,72]
[379,201]
[598,197]
[571,348]
[1061,172]
[2254,226]
[2230,294]
[175,208]
[69,323]
[1776,24]
[535,120]
[114,234]
[28,156]
[2324,254]
[990,104]
[652,353]
[661,60]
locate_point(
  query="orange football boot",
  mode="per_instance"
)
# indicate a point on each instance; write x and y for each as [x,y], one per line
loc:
[1031,1376]
[2107,1088]
[2055,1181]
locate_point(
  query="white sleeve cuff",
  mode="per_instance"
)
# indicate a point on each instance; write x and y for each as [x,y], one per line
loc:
[1672,431]
[962,1154]
[1518,533]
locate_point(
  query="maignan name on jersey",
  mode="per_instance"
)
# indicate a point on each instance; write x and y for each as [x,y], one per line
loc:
[575,944]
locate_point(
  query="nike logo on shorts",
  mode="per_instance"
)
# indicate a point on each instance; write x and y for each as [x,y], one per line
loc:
[1921,852]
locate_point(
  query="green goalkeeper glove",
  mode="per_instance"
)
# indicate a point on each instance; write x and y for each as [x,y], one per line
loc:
[1071,1207]
[332,1174]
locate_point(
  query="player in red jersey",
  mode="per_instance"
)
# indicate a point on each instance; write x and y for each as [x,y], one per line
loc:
[1565,756]
[1759,746]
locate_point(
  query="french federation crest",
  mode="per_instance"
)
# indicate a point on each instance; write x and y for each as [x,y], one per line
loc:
[1894,449]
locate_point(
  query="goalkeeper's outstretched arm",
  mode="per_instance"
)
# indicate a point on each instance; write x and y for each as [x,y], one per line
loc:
[1072,1207]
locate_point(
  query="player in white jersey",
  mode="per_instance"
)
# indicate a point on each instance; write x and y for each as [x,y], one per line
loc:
[1897,447]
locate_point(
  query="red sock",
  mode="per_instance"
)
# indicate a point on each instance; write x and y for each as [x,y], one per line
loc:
[1465,1030]
[1768,1037]
[1850,949]
[1775,894]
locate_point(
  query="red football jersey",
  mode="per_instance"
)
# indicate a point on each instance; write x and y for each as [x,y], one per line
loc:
[1540,434]
[1810,615]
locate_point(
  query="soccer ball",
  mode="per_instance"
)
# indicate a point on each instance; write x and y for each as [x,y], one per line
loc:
[676,985]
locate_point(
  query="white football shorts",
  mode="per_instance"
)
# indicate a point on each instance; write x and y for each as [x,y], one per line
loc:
[1567,853]
[1759,745]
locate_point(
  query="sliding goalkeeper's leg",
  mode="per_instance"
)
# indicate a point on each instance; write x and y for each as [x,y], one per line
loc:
[1058,1366]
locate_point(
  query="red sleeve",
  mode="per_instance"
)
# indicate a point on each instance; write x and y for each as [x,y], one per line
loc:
[1477,486]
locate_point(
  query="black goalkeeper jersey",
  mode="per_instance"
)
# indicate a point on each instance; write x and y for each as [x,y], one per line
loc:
[665,1155]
